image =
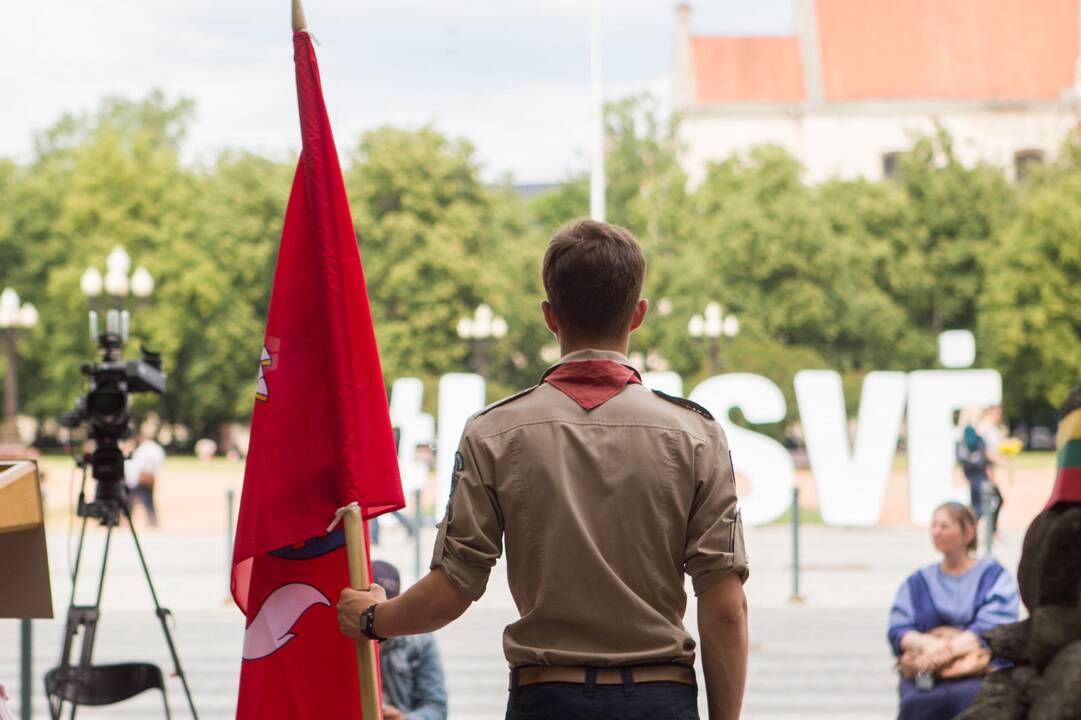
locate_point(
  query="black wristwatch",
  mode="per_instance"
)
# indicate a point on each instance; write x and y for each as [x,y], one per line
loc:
[367,624]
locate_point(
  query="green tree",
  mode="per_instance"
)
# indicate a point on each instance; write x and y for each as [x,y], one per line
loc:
[211,306]
[435,243]
[95,181]
[115,177]
[1029,326]
[955,211]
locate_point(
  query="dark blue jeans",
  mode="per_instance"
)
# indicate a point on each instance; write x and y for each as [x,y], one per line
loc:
[947,700]
[633,701]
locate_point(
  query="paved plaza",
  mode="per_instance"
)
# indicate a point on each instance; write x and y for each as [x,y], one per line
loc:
[823,658]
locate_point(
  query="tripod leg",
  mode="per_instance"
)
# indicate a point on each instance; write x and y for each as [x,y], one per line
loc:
[56,704]
[163,615]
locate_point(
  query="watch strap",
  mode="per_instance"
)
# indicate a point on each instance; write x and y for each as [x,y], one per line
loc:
[367,624]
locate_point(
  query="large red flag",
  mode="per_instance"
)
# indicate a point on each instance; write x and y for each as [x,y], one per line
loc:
[321,439]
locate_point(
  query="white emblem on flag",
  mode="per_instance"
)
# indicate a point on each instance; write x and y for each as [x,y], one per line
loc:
[270,629]
[261,391]
[267,361]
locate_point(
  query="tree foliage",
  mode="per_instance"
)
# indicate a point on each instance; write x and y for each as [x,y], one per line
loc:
[1028,321]
[850,275]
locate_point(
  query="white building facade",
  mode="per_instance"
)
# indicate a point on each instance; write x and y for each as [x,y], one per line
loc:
[860,78]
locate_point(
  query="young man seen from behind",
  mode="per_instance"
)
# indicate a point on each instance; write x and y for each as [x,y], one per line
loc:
[604,495]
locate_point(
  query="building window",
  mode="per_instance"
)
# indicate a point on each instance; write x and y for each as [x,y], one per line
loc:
[889,165]
[1024,161]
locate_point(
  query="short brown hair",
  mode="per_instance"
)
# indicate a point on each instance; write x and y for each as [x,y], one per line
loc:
[593,274]
[964,517]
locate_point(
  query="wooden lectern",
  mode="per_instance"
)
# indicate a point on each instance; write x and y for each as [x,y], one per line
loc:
[24,562]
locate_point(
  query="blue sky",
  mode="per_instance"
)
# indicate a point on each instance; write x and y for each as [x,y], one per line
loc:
[510,76]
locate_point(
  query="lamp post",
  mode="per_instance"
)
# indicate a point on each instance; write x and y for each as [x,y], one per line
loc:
[15,317]
[116,285]
[712,325]
[479,329]
[115,282]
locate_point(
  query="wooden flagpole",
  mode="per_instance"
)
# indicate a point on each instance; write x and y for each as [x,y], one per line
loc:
[357,550]
[299,23]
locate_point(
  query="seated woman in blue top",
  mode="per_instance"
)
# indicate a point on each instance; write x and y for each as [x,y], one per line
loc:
[957,599]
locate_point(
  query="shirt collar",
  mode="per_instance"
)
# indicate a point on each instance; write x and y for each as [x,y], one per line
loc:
[591,377]
[591,354]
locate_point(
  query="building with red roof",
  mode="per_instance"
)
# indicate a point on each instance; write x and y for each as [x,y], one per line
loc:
[858,78]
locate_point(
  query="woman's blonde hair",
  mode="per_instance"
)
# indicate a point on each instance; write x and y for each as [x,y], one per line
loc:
[963,516]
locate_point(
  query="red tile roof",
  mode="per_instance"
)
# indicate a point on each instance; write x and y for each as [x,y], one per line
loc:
[762,69]
[894,49]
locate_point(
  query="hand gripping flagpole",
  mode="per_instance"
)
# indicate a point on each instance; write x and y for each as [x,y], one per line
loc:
[356,549]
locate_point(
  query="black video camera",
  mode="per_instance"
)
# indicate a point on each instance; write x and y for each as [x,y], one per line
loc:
[105,410]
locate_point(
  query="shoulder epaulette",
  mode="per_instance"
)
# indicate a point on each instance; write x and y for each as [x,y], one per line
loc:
[685,403]
[504,401]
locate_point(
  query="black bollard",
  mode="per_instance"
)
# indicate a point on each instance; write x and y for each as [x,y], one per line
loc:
[416,534]
[26,636]
[796,598]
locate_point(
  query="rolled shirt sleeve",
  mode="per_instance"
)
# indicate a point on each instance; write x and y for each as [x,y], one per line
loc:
[715,545]
[470,537]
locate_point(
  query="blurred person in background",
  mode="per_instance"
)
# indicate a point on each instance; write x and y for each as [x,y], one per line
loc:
[409,666]
[975,461]
[5,714]
[141,474]
[991,429]
[938,614]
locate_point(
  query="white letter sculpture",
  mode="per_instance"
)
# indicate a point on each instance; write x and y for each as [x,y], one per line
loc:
[933,397]
[414,428]
[460,395]
[850,485]
[668,382]
[763,461]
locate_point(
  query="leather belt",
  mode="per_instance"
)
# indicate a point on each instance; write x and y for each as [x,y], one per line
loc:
[533,674]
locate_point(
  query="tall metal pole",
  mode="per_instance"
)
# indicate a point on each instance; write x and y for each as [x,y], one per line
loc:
[230,496]
[416,535]
[796,597]
[597,180]
[26,635]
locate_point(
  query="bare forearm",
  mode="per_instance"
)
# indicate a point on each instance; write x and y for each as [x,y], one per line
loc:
[959,645]
[920,642]
[427,606]
[723,632]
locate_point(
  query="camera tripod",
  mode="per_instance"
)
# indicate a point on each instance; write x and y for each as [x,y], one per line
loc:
[87,684]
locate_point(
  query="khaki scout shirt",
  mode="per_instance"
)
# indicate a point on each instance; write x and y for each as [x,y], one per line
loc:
[601,512]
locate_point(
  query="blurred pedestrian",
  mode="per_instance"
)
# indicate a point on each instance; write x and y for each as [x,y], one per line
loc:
[141,473]
[5,713]
[976,465]
[991,429]
[409,666]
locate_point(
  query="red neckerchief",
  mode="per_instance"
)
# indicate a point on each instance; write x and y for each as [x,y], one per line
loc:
[591,383]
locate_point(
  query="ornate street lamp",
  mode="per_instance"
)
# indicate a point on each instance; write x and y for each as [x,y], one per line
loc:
[712,325]
[15,317]
[116,285]
[479,330]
